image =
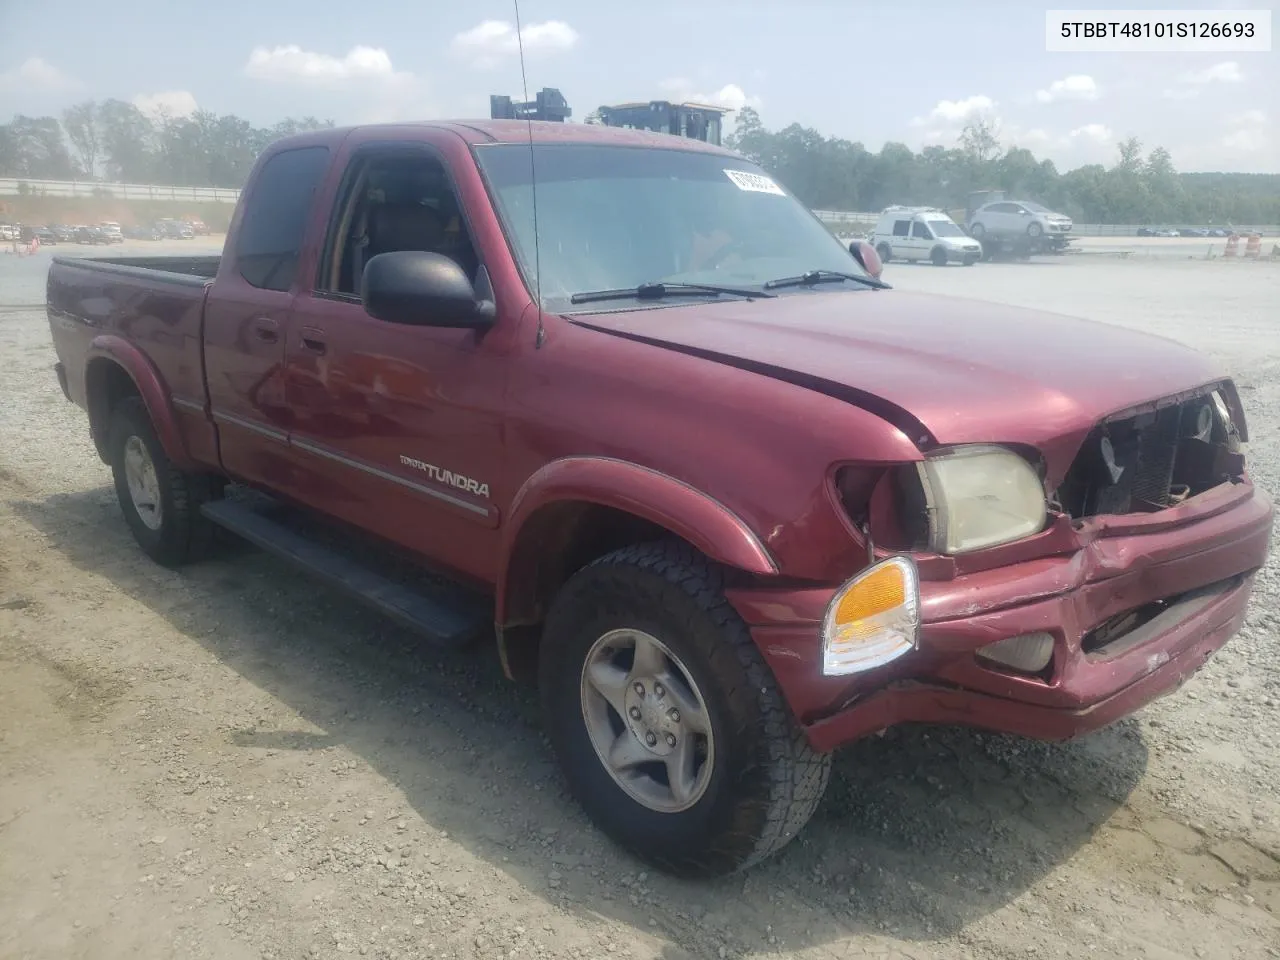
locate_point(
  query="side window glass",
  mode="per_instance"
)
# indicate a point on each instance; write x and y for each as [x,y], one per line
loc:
[901,228]
[920,231]
[275,219]
[394,201]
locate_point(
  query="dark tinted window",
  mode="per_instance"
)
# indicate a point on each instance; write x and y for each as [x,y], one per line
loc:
[276,217]
[901,227]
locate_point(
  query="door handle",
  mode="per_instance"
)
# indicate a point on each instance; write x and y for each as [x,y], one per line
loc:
[266,330]
[312,340]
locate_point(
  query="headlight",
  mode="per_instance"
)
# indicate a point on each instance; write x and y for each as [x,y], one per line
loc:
[980,496]
[873,619]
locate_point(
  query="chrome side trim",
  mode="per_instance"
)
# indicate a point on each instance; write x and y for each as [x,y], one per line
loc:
[252,426]
[192,405]
[320,451]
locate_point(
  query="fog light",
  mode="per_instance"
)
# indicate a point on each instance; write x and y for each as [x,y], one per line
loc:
[1027,652]
[873,619]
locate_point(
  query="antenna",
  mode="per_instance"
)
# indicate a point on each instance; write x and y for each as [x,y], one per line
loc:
[533,186]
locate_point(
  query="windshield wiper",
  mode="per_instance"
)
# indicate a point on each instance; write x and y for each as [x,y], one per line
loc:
[825,276]
[660,291]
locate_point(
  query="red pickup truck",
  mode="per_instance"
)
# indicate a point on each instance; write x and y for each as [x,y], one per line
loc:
[729,499]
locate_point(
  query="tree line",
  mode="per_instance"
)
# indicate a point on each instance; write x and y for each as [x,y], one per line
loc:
[829,173]
[115,140]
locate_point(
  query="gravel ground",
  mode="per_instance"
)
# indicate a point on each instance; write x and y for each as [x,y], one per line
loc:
[226,762]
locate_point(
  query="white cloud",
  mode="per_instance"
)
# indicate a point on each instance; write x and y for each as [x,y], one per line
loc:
[492,41]
[169,103]
[292,64]
[1228,72]
[1181,93]
[1247,132]
[956,111]
[1078,86]
[38,73]
[1097,132]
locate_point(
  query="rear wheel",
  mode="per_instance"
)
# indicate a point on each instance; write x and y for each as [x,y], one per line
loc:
[885,252]
[160,503]
[668,725]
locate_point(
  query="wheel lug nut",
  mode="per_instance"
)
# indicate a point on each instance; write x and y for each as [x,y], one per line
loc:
[674,714]
[657,690]
[635,713]
[639,688]
[671,739]
[650,739]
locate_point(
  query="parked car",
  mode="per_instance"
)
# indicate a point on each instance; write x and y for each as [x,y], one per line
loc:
[176,229]
[1192,232]
[8,231]
[47,236]
[1219,232]
[64,233]
[1016,218]
[94,235]
[112,231]
[145,231]
[923,233]
[733,503]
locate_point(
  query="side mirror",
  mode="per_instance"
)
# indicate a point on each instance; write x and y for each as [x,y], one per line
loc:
[422,289]
[866,255]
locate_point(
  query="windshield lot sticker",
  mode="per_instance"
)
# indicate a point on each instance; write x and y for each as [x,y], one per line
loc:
[754,182]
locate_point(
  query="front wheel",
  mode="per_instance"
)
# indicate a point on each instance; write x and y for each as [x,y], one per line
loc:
[668,725]
[1034,231]
[939,257]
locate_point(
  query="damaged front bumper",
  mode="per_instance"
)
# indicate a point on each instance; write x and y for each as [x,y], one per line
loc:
[1136,607]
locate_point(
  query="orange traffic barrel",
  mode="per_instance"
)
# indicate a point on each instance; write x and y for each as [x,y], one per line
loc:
[1254,245]
[1233,245]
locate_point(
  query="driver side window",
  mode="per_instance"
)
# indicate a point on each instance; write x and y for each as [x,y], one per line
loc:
[920,232]
[393,200]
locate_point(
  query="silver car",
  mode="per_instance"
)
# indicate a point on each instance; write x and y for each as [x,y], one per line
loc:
[1017,218]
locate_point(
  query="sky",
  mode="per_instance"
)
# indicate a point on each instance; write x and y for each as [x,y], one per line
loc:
[911,71]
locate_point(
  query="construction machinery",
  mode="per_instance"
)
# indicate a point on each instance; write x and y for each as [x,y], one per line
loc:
[548,104]
[698,121]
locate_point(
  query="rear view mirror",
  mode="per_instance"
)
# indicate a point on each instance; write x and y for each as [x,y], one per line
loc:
[867,256]
[422,289]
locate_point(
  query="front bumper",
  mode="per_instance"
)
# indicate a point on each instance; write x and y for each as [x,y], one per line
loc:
[1204,566]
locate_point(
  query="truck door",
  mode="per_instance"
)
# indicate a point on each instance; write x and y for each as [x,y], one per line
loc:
[247,318]
[398,428]
[921,240]
[901,242]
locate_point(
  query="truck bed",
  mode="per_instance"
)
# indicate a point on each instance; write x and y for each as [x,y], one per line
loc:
[185,269]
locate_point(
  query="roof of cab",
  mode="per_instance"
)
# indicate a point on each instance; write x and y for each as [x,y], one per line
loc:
[478,132]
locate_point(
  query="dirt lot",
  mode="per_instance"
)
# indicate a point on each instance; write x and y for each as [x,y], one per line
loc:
[228,763]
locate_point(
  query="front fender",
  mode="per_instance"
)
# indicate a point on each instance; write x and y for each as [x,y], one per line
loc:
[676,506]
[108,348]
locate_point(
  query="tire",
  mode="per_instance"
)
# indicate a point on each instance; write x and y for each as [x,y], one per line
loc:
[758,782]
[1034,230]
[970,261]
[976,231]
[885,251]
[938,257]
[177,533]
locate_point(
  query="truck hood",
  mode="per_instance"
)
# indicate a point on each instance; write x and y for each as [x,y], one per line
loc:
[944,370]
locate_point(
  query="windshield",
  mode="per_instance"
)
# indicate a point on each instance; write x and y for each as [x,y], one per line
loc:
[613,217]
[945,228]
[1036,208]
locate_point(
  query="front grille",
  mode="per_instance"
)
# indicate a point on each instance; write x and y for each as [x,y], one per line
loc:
[1151,461]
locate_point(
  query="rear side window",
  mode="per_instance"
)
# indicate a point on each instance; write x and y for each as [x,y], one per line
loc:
[275,219]
[901,227]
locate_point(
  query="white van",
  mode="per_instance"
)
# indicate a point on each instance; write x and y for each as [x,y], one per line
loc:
[923,233]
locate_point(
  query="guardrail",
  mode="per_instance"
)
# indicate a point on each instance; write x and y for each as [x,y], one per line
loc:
[17,187]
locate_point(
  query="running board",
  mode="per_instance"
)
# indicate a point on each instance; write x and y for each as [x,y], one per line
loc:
[447,620]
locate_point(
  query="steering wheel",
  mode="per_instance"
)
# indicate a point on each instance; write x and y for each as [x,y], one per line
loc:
[733,246]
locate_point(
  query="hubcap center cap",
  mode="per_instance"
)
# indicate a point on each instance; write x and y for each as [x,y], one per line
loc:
[652,719]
